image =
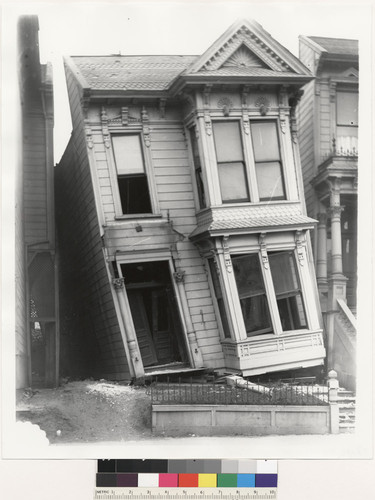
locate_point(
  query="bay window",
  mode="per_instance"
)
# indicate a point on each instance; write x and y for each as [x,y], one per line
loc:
[270,298]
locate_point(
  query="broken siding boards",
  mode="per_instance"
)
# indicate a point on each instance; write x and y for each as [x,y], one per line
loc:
[84,273]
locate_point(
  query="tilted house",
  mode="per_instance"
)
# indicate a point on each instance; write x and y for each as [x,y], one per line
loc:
[36,301]
[328,129]
[183,233]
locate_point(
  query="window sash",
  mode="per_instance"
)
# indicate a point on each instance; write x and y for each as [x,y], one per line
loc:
[128,154]
[197,169]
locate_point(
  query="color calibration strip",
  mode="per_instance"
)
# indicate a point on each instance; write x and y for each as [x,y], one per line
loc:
[186,473]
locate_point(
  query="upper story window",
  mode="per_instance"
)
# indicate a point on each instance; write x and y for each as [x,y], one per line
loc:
[346,121]
[230,162]
[267,161]
[132,178]
[258,163]
[197,168]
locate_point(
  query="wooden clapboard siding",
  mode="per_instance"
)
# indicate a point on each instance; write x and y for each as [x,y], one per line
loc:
[35,202]
[173,180]
[91,337]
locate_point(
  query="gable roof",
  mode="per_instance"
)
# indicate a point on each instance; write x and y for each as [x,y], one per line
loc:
[244,53]
[336,45]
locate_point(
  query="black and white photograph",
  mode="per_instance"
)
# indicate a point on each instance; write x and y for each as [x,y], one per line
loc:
[187,226]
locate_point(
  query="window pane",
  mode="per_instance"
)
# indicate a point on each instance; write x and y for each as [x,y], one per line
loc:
[251,291]
[228,141]
[255,315]
[347,108]
[219,298]
[134,194]
[128,154]
[265,141]
[248,275]
[287,289]
[233,184]
[270,180]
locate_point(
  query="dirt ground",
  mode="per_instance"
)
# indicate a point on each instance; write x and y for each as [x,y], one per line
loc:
[88,411]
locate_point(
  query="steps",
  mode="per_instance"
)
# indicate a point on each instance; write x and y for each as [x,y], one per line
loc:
[346,404]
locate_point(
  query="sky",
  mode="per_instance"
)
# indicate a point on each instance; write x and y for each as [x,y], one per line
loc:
[96,28]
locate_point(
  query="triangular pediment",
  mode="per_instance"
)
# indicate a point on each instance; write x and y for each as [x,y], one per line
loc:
[247,44]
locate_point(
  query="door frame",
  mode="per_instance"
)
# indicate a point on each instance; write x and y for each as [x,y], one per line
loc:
[154,257]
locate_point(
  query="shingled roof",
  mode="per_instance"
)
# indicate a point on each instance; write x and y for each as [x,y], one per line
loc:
[243,53]
[336,45]
[118,72]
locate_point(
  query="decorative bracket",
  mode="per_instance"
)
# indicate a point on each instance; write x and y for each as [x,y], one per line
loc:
[225,104]
[207,117]
[118,283]
[104,119]
[162,104]
[263,104]
[227,259]
[179,276]
[245,114]
[146,127]
[283,105]
[89,140]
[332,91]
[125,116]
[299,246]
[263,250]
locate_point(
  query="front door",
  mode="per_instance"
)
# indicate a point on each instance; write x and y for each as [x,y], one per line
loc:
[154,312]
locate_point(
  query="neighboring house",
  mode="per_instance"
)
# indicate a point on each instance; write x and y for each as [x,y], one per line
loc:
[182,226]
[328,132]
[36,290]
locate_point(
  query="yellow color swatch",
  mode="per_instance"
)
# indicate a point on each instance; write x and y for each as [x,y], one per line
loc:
[207,480]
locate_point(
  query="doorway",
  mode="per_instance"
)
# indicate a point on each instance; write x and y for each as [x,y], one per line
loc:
[155,313]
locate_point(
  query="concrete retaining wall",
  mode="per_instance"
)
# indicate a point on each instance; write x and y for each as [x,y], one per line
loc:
[205,420]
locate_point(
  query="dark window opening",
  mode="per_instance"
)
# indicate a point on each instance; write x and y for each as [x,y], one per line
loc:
[252,294]
[267,160]
[155,313]
[197,168]
[131,175]
[219,298]
[230,162]
[288,290]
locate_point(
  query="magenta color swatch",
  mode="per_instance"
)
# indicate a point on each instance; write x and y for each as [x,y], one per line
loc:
[168,480]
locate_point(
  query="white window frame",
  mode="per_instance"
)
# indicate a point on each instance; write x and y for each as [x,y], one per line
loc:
[149,171]
[249,159]
[232,300]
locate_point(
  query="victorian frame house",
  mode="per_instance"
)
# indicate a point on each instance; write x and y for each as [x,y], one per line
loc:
[183,232]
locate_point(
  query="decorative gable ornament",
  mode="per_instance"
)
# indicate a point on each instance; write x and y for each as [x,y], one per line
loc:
[243,57]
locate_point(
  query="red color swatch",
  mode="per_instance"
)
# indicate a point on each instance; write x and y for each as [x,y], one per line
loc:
[188,480]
